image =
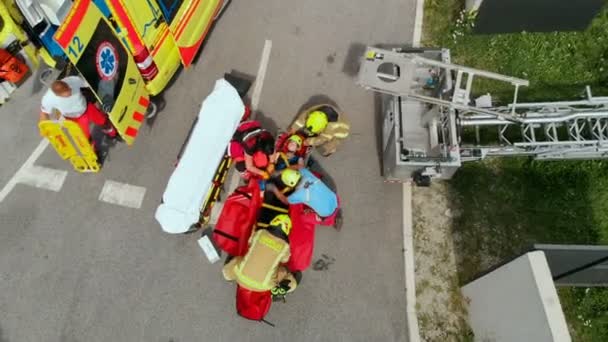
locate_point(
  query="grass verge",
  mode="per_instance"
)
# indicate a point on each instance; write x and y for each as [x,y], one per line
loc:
[504,205]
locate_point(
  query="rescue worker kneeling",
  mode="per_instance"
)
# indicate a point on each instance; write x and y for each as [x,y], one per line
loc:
[323,127]
[261,268]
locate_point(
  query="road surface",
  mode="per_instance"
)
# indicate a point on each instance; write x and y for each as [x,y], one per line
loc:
[74,268]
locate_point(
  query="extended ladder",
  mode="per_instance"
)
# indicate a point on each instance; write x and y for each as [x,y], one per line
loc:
[548,130]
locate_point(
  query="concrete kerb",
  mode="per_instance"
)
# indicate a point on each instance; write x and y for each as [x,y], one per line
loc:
[409,265]
[413,329]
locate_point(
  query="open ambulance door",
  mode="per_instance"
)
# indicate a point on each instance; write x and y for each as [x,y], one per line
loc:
[189,22]
[104,62]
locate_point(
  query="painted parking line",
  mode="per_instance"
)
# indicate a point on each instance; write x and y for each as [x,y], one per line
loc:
[234,178]
[122,194]
[261,76]
[37,176]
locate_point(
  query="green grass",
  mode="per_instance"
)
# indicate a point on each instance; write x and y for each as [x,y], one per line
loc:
[507,204]
[558,65]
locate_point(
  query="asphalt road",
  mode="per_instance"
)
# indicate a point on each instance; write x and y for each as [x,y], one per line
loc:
[75,269]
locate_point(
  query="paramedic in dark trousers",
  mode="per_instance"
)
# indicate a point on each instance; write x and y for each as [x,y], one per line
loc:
[64,98]
[323,127]
[251,148]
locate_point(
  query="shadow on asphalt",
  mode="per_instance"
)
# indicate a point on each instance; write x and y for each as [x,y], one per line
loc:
[103,144]
[315,100]
[353,57]
[269,124]
[378,123]
[37,84]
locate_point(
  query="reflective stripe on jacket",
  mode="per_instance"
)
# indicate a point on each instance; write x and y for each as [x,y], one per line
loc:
[334,130]
[258,269]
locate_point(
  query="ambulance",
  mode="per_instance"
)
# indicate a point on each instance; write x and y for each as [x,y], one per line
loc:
[15,39]
[128,50]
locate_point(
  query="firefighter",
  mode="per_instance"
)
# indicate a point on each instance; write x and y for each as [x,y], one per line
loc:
[323,127]
[261,268]
[64,98]
[283,183]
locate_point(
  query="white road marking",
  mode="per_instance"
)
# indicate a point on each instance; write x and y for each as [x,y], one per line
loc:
[418,23]
[259,79]
[408,255]
[234,178]
[122,194]
[40,177]
[43,177]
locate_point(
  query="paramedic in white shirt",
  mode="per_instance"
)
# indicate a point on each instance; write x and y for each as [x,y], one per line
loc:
[64,98]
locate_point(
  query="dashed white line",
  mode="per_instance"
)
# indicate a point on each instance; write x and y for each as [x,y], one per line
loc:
[259,80]
[43,177]
[37,176]
[122,194]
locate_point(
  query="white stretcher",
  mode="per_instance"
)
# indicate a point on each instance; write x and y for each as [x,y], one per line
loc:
[193,178]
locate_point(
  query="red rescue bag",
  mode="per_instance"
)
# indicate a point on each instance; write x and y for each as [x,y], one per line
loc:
[251,304]
[235,223]
[302,237]
[11,68]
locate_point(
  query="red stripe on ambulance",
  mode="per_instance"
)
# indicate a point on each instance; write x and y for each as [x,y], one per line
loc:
[187,18]
[131,131]
[139,117]
[189,52]
[160,42]
[144,102]
[65,33]
[126,21]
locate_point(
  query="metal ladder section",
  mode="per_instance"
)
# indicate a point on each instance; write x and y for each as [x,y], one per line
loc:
[548,130]
[394,72]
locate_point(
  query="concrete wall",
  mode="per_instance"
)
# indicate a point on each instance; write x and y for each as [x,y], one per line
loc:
[517,302]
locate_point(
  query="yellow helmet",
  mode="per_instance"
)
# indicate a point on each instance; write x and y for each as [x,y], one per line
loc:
[296,139]
[283,221]
[316,122]
[290,177]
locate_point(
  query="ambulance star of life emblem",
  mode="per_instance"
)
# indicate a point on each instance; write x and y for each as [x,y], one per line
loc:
[106,60]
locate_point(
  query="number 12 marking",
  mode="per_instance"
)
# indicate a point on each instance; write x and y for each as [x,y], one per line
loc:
[79,47]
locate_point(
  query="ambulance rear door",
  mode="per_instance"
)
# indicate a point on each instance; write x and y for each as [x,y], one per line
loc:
[189,21]
[92,45]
